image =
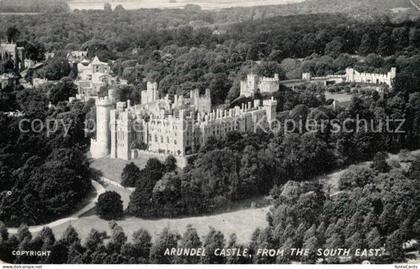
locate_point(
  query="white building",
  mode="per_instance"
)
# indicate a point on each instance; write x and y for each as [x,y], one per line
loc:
[92,76]
[254,83]
[356,77]
[177,127]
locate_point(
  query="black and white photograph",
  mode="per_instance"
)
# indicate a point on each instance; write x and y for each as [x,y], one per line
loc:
[174,132]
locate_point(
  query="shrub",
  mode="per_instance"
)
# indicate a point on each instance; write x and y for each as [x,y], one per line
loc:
[109,206]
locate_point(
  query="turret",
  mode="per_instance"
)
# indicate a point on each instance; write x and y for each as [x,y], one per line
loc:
[270,107]
[306,76]
[100,146]
[393,73]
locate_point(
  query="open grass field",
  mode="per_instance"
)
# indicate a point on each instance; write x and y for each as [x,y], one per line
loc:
[112,168]
[242,222]
[340,97]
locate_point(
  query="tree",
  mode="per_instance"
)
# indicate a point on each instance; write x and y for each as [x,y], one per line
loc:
[414,170]
[189,240]
[379,162]
[394,246]
[374,60]
[165,240]
[142,243]
[214,240]
[355,176]
[4,235]
[59,253]
[56,68]
[118,237]
[12,34]
[107,7]
[124,93]
[119,8]
[334,48]
[367,44]
[140,199]
[47,236]
[34,51]
[400,37]
[70,236]
[312,243]
[385,45]
[233,244]
[373,239]
[170,163]
[109,205]
[269,69]
[23,232]
[94,240]
[130,175]
[62,91]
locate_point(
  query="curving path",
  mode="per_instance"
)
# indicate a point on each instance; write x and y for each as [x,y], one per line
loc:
[92,203]
[242,222]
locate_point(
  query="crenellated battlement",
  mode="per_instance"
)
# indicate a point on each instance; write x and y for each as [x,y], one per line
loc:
[177,127]
[254,83]
[104,101]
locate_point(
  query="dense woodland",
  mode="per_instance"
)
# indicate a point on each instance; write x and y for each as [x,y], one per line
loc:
[191,48]
[43,176]
[381,212]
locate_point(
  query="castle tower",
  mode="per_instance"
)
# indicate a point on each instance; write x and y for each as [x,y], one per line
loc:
[195,96]
[250,85]
[111,95]
[392,74]
[100,147]
[153,92]
[20,58]
[349,75]
[124,136]
[306,76]
[271,111]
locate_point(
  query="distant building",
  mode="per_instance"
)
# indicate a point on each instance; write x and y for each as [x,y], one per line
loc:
[7,80]
[75,57]
[371,78]
[254,83]
[10,51]
[49,55]
[177,127]
[356,77]
[92,76]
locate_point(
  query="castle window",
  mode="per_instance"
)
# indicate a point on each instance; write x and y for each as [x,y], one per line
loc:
[156,138]
[175,142]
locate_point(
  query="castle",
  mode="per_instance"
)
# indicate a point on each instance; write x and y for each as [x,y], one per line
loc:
[10,51]
[356,77]
[177,127]
[254,83]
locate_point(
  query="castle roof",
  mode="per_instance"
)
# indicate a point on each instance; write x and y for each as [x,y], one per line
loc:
[97,61]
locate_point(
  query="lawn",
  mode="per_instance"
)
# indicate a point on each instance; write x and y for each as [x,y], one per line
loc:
[339,97]
[112,168]
[242,222]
